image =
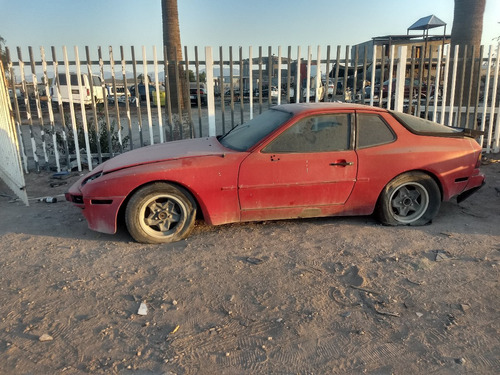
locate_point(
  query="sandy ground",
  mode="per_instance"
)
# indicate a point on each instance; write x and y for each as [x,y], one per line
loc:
[319,296]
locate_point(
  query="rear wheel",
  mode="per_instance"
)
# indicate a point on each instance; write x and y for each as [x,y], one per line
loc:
[409,199]
[160,213]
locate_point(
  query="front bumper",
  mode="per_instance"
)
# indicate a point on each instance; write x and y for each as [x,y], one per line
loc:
[101,213]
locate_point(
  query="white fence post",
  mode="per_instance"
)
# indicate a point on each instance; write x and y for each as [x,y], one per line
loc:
[209,64]
[400,79]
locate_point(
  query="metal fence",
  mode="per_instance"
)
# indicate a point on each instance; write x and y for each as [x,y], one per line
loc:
[76,112]
[11,171]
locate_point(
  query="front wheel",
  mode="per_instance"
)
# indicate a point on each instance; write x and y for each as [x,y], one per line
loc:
[160,213]
[409,199]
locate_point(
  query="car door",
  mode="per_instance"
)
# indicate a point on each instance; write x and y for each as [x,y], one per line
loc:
[310,164]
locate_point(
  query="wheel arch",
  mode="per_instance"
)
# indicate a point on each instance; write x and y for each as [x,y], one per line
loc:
[200,213]
[423,171]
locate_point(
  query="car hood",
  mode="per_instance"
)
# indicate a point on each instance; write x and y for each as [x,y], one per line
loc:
[165,151]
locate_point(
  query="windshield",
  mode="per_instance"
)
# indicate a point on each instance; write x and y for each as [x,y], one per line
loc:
[246,135]
[420,125]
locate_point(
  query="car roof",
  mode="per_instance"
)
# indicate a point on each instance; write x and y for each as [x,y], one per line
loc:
[297,108]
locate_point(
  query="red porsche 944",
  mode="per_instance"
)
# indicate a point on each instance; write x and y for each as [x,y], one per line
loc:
[292,161]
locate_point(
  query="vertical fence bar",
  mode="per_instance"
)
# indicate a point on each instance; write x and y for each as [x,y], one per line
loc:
[115,94]
[317,97]
[279,75]
[106,109]
[222,89]
[270,73]
[374,71]
[412,81]
[461,88]
[445,86]
[382,76]
[186,85]
[49,108]
[137,97]
[231,85]
[391,72]
[38,107]
[147,92]
[28,109]
[347,96]
[428,91]
[420,76]
[168,104]
[289,74]
[453,85]
[260,79]
[179,94]
[436,83]
[327,74]
[491,141]
[478,89]
[355,75]
[94,105]
[250,81]
[198,89]
[209,64]
[337,71]
[127,97]
[16,109]
[157,94]
[365,68]
[72,110]
[242,91]
[469,86]
[297,84]
[61,109]
[308,74]
[399,95]
[485,100]
[82,106]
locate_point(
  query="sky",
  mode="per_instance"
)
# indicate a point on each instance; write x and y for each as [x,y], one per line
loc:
[221,22]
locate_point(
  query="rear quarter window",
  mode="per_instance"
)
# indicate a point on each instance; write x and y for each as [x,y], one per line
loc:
[422,126]
[373,131]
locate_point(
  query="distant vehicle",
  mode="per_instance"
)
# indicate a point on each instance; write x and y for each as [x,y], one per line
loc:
[193,93]
[121,94]
[78,95]
[312,91]
[19,95]
[416,85]
[142,91]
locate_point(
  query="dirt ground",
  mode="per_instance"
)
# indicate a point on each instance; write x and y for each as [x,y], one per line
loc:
[319,296]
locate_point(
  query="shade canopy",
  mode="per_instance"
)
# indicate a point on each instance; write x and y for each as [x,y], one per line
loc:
[426,23]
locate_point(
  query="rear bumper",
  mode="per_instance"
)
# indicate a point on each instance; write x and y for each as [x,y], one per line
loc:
[475,183]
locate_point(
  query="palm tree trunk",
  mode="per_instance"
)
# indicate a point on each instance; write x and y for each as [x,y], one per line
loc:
[466,32]
[179,93]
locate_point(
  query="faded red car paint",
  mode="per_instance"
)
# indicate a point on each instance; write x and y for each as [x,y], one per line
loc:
[231,186]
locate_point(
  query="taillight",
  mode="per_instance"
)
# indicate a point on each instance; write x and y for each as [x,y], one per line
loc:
[88,92]
[478,162]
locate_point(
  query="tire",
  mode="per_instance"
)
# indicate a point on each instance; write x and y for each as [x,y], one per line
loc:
[410,199]
[160,213]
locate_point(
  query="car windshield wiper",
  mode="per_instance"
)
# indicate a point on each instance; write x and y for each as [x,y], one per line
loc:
[224,135]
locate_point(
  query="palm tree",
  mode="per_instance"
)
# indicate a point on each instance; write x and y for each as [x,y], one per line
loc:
[172,41]
[3,56]
[467,22]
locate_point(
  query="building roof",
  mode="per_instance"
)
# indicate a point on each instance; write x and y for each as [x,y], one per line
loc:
[426,23]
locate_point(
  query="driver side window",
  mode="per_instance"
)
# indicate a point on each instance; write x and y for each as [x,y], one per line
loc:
[322,133]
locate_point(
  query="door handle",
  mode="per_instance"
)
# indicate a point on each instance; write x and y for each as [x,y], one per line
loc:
[342,163]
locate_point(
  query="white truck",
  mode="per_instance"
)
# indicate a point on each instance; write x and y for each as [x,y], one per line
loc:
[78,94]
